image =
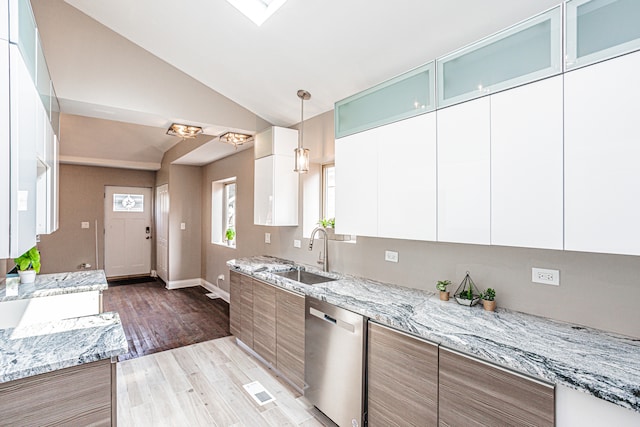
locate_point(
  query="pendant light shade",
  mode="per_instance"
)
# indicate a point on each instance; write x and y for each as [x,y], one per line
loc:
[301,153]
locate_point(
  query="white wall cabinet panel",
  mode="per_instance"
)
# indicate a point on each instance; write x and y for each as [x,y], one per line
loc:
[24,101]
[527,166]
[602,154]
[5,159]
[464,185]
[275,192]
[357,184]
[4,20]
[407,179]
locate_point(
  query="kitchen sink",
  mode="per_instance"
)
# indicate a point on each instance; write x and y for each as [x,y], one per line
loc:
[305,277]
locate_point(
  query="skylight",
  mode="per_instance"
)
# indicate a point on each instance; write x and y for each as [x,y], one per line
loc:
[257,10]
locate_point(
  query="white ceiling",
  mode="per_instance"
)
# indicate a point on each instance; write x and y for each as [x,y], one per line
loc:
[332,48]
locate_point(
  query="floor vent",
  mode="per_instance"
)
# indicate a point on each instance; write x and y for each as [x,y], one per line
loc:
[259,393]
[212,295]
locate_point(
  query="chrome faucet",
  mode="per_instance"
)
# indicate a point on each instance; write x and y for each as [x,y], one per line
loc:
[325,260]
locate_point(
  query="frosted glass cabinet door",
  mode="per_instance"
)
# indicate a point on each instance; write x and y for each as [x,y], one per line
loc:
[464,181]
[407,179]
[523,53]
[407,95]
[527,166]
[602,176]
[357,184]
[601,29]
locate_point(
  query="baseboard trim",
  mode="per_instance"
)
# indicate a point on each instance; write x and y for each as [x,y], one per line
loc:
[216,290]
[177,284]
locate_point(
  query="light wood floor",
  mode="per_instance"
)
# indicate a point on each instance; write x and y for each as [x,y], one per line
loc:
[201,385]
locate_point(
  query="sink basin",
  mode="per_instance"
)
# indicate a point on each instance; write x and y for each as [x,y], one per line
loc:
[305,277]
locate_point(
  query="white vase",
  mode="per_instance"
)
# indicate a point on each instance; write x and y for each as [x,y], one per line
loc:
[27,276]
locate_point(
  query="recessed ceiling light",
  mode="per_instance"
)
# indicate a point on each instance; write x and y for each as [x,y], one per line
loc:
[257,10]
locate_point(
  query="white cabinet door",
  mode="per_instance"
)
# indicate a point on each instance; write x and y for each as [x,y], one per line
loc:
[526,166]
[602,157]
[464,181]
[24,99]
[5,153]
[4,20]
[357,184]
[275,191]
[407,179]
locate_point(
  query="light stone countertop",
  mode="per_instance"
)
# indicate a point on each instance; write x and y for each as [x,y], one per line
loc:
[56,284]
[603,364]
[40,348]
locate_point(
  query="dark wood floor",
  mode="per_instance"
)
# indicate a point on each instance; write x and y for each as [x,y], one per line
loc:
[157,319]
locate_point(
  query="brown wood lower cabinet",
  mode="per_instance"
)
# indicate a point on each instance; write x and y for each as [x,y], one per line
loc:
[264,321]
[402,380]
[270,321]
[77,396]
[290,336]
[476,393]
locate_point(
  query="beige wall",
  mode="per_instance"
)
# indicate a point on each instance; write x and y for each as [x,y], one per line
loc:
[595,289]
[185,206]
[82,199]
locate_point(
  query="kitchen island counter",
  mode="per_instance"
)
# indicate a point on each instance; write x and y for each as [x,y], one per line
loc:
[55,284]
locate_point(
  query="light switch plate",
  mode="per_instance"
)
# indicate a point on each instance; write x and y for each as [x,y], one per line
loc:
[267,237]
[183,226]
[391,256]
[297,244]
[84,224]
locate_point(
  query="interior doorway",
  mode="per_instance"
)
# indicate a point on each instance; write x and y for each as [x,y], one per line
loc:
[127,231]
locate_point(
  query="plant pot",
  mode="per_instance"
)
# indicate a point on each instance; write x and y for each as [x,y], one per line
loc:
[27,276]
[489,305]
[444,295]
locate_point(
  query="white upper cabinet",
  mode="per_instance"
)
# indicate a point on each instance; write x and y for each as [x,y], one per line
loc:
[275,182]
[4,20]
[600,29]
[526,166]
[526,52]
[357,184]
[24,101]
[464,181]
[407,179]
[5,150]
[602,154]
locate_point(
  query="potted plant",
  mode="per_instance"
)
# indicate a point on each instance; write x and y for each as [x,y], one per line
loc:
[230,234]
[327,223]
[467,293]
[442,287]
[488,299]
[28,265]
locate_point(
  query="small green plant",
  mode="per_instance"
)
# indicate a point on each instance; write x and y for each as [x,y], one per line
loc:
[442,285]
[230,234]
[327,222]
[29,260]
[489,295]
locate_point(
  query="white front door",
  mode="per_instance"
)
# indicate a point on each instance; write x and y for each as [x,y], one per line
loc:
[127,231]
[162,231]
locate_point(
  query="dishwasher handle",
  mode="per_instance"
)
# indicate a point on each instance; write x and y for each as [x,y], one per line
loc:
[337,322]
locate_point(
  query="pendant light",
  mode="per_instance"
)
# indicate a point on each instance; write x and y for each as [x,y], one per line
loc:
[302,154]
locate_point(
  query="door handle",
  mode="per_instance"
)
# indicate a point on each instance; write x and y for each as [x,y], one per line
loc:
[148,237]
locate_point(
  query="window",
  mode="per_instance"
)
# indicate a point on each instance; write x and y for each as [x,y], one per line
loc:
[328,191]
[128,202]
[223,212]
[229,223]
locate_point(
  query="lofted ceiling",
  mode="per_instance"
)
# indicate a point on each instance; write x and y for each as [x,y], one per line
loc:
[150,62]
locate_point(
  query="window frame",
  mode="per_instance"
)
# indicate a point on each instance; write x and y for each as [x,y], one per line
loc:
[324,187]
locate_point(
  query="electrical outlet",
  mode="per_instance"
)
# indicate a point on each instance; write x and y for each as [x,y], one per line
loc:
[267,237]
[84,224]
[391,256]
[297,244]
[545,276]
[183,226]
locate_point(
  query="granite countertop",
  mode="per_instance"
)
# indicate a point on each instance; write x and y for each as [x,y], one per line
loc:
[56,284]
[604,364]
[40,348]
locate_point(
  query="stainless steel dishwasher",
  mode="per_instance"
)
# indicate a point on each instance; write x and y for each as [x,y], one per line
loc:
[335,341]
